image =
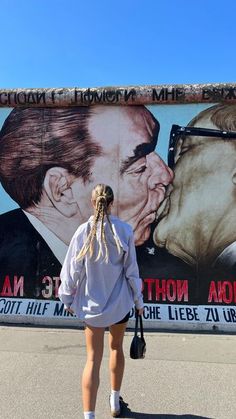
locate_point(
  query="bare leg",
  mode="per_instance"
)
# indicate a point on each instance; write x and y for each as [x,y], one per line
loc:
[90,379]
[117,360]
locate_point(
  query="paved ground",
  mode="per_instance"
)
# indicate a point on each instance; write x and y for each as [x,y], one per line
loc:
[183,376]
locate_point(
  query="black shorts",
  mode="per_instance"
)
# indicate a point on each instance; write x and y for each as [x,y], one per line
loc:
[125,319]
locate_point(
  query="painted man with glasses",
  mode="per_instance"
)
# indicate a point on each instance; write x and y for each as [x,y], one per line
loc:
[197,220]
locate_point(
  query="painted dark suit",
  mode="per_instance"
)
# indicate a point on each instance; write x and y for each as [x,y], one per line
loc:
[157,263]
[23,252]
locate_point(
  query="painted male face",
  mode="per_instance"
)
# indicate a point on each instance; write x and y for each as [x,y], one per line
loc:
[199,199]
[129,164]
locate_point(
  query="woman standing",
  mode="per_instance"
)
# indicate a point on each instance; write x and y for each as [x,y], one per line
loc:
[100,283]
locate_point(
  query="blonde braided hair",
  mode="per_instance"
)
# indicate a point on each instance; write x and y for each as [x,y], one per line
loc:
[102,197]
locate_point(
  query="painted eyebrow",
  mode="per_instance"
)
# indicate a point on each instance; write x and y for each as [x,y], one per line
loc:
[140,151]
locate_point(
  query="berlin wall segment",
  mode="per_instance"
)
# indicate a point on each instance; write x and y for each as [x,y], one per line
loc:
[182,287]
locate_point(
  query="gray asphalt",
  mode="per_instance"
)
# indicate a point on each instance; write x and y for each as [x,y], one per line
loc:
[183,375]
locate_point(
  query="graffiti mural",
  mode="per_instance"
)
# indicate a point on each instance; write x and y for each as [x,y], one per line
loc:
[173,172]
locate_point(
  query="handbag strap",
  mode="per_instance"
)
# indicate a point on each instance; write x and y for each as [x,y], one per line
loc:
[140,326]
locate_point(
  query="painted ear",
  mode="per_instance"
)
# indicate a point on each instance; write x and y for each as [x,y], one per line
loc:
[57,185]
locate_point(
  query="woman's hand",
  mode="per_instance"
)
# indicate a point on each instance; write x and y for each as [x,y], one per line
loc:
[69,310]
[140,311]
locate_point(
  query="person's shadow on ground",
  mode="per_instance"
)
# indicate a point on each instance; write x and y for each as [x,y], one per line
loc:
[127,413]
[138,415]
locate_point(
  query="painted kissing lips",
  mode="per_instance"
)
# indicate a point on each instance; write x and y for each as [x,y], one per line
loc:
[150,217]
[145,235]
[145,221]
[161,188]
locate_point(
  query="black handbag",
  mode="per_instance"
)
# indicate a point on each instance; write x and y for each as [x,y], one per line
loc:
[138,344]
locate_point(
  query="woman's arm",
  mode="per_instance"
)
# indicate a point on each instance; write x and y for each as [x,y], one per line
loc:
[70,273]
[132,274]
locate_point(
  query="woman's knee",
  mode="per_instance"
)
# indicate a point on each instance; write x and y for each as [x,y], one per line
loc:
[116,337]
[94,357]
[116,346]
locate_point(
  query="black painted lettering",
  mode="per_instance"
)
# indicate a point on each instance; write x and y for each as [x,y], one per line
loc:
[129,93]
[2,304]
[3,98]
[18,307]
[45,307]
[182,314]
[196,316]
[208,315]
[98,97]
[192,314]
[231,93]
[21,98]
[179,94]
[170,93]
[171,315]
[111,96]
[31,99]
[152,312]
[158,95]
[227,315]
[53,96]
[29,308]
[58,310]
[10,100]
[38,312]
[212,315]
[7,307]
[205,94]
[88,96]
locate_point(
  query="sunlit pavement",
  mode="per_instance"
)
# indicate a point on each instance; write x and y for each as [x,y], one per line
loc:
[182,376]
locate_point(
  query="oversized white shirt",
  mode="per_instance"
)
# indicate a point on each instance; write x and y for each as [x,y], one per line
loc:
[101,293]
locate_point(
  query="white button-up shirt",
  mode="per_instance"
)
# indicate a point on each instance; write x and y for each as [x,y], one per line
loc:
[101,293]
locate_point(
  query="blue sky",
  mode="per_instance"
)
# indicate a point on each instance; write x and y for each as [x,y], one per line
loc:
[89,43]
[63,43]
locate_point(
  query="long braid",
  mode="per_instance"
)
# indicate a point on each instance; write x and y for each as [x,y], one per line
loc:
[116,238]
[101,218]
[94,233]
[103,236]
[88,244]
[102,196]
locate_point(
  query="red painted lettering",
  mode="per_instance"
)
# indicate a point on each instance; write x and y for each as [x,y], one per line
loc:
[6,289]
[18,286]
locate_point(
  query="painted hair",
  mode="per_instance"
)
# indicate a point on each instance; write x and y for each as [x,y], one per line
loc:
[223,117]
[32,140]
[102,197]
